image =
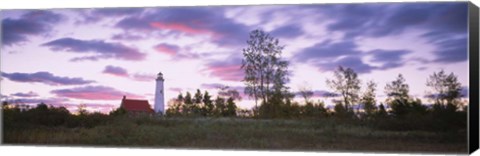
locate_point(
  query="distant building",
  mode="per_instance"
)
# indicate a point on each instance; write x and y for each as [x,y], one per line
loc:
[136,107]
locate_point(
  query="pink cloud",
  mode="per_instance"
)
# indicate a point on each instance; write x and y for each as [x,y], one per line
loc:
[94,93]
[167,49]
[179,27]
[226,72]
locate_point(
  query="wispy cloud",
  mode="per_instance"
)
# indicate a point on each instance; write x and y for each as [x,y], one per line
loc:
[93,93]
[190,21]
[45,78]
[32,23]
[99,48]
[116,71]
[28,94]
[168,49]
[227,69]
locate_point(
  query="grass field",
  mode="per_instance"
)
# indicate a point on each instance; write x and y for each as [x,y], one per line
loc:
[236,133]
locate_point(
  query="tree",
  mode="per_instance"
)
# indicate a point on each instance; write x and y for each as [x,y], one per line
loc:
[400,102]
[187,104]
[231,108]
[368,99]
[445,90]
[265,72]
[226,92]
[175,106]
[397,92]
[219,106]
[208,104]
[306,93]
[118,112]
[381,113]
[197,105]
[397,89]
[347,84]
[81,109]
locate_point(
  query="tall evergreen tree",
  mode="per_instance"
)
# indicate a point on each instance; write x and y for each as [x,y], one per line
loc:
[208,103]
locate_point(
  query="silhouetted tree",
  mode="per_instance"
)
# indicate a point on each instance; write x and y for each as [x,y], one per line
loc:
[347,84]
[231,108]
[220,106]
[445,90]
[197,103]
[382,112]
[397,92]
[265,71]
[118,112]
[368,99]
[187,104]
[306,93]
[208,103]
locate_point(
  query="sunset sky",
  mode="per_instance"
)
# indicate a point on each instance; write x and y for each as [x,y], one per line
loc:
[67,57]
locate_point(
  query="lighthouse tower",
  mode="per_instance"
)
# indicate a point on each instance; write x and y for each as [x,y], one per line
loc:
[159,106]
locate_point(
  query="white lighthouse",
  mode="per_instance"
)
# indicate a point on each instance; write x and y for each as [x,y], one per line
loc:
[159,106]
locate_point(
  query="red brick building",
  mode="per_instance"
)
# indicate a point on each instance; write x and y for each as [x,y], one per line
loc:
[135,107]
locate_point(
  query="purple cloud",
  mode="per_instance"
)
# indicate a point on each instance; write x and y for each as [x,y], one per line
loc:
[97,14]
[288,31]
[320,93]
[29,94]
[211,85]
[32,23]
[117,11]
[228,69]
[168,49]
[101,49]
[328,56]
[93,93]
[389,58]
[327,50]
[127,37]
[45,78]
[451,50]
[190,21]
[378,20]
[117,71]
[352,62]
[174,89]
[144,77]
[34,101]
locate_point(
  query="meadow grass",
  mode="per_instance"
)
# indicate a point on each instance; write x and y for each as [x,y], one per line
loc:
[238,133]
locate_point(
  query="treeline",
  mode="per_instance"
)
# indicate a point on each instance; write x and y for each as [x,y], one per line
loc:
[266,76]
[16,117]
[204,105]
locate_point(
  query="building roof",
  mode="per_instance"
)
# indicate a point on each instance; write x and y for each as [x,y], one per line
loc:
[136,105]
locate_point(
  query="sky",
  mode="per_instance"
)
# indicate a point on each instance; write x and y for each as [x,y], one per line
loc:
[67,57]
